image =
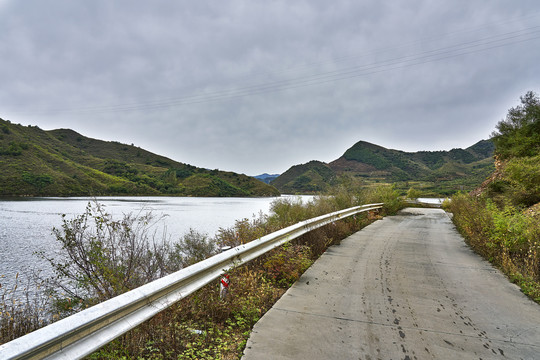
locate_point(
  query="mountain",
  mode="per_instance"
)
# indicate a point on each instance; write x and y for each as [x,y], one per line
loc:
[438,172]
[266,178]
[63,162]
[315,176]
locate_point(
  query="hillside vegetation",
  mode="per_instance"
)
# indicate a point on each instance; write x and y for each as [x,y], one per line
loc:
[432,172]
[34,162]
[501,219]
[313,177]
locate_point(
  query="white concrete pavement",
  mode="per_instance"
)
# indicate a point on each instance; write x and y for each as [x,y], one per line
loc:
[405,287]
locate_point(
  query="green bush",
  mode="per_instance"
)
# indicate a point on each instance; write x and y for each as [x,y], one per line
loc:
[413,193]
[192,248]
[384,194]
[285,266]
[523,176]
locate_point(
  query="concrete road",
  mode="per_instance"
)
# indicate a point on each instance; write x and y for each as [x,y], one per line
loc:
[405,287]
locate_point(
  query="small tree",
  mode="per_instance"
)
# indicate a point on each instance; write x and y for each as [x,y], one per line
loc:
[194,247]
[519,134]
[104,257]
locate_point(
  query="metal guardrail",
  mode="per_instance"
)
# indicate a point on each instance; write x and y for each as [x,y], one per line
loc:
[81,334]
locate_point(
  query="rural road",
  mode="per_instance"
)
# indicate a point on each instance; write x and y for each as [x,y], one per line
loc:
[405,287]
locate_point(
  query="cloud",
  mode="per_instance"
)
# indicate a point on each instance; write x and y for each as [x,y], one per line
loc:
[261,86]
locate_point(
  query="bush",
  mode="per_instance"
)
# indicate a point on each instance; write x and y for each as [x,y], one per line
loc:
[244,231]
[384,194]
[104,257]
[284,266]
[413,193]
[192,248]
[523,178]
[289,211]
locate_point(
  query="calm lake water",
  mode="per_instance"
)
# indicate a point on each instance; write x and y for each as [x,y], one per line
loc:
[26,224]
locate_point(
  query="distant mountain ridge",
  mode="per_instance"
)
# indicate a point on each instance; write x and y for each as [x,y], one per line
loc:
[266,178]
[449,170]
[62,162]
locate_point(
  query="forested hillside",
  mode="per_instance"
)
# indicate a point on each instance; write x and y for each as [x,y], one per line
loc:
[34,162]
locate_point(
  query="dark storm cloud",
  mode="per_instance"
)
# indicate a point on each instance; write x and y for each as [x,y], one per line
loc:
[259,86]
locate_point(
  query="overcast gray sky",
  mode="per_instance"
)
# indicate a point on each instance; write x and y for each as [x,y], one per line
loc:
[259,86]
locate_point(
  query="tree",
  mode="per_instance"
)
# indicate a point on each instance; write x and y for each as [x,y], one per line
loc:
[519,134]
[103,257]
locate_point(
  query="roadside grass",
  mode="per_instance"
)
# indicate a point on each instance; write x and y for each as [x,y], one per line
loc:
[202,325]
[506,235]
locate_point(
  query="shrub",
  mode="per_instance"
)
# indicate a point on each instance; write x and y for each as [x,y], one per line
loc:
[288,211]
[104,257]
[192,248]
[244,231]
[383,194]
[523,179]
[413,193]
[285,265]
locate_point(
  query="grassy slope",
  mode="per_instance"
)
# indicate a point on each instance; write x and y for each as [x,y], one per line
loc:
[65,163]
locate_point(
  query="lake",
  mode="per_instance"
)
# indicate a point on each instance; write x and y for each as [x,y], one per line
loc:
[26,223]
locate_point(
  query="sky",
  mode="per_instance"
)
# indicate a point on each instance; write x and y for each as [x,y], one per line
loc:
[260,86]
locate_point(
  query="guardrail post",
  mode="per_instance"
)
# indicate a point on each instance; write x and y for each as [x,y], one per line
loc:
[225,279]
[224,286]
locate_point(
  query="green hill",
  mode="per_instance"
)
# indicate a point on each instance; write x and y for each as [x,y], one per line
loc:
[434,172]
[34,162]
[313,177]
